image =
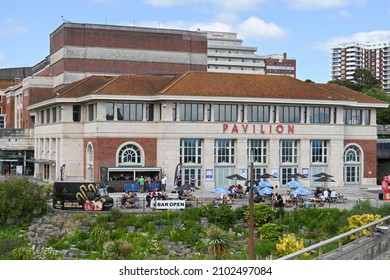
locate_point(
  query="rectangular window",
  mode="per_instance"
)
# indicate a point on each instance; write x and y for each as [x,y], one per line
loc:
[76,113]
[109,111]
[367,117]
[289,114]
[225,113]
[319,114]
[54,113]
[149,112]
[191,112]
[258,113]
[91,112]
[129,111]
[2,121]
[42,117]
[191,151]
[224,151]
[257,151]
[48,116]
[319,151]
[288,151]
[352,116]
[174,111]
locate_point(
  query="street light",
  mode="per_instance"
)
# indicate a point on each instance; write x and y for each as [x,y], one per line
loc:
[251,242]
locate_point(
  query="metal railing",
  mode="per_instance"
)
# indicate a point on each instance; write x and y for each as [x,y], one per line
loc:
[339,238]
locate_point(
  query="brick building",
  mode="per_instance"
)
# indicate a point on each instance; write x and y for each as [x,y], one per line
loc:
[211,125]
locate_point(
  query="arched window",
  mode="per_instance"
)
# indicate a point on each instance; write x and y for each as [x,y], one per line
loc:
[352,154]
[90,162]
[352,164]
[129,154]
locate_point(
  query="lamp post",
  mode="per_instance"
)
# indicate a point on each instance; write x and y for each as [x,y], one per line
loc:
[251,242]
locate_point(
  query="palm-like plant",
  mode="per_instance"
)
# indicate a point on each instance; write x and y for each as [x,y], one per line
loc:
[217,241]
[117,249]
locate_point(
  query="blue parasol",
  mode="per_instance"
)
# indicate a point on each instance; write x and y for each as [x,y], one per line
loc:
[264,184]
[301,191]
[220,190]
[294,184]
[266,190]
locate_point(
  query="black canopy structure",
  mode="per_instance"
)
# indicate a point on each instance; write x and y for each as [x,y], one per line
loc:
[297,175]
[266,176]
[323,174]
[324,180]
[236,177]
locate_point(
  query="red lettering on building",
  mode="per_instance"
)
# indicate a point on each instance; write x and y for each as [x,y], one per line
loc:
[262,129]
[225,127]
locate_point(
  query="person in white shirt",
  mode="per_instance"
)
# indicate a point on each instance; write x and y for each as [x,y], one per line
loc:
[333,196]
[326,195]
[164,183]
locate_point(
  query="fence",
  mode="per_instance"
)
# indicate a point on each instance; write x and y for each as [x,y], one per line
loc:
[339,238]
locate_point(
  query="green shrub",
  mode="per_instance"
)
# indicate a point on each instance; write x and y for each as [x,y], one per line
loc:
[262,214]
[22,253]
[264,248]
[21,201]
[98,236]
[270,231]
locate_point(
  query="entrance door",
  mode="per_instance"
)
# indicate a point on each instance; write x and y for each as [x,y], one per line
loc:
[352,174]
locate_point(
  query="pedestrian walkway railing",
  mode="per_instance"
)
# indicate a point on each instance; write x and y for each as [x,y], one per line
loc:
[372,227]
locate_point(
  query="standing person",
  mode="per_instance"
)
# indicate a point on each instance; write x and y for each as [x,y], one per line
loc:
[148,200]
[164,183]
[178,181]
[192,181]
[141,182]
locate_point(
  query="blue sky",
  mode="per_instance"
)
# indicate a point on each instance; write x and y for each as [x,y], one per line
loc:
[304,29]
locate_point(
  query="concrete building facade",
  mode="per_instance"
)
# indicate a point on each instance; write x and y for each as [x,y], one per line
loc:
[345,58]
[210,125]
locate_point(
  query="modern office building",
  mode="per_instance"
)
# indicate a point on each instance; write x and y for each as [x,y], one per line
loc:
[209,125]
[372,56]
[226,53]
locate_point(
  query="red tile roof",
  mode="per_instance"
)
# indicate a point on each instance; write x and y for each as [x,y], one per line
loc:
[212,85]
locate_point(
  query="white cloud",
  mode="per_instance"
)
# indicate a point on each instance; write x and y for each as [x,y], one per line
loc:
[168,3]
[340,14]
[254,27]
[9,26]
[235,5]
[361,37]
[217,5]
[315,4]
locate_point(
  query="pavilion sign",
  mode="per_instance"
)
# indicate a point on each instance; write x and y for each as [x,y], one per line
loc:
[258,128]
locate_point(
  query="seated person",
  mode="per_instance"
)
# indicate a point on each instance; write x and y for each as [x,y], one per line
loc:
[258,198]
[307,204]
[333,195]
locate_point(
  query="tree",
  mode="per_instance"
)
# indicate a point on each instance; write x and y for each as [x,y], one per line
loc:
[21,200]
[382,114]
[364,79]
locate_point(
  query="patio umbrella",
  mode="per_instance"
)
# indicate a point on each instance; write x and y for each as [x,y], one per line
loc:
[324,180]
[294,184]
[322,174]
[220,190]
[264,184]
[266,176]
[297,175]
[236,177]
[265,191]
[301,191]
